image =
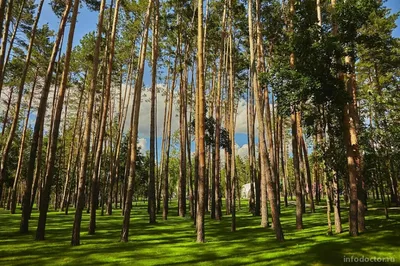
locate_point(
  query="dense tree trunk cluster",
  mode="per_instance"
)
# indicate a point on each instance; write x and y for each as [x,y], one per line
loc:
[318,104]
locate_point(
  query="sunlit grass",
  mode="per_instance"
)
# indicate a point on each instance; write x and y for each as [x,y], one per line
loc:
[173,241]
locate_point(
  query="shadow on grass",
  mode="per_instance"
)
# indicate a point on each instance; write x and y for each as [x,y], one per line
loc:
[172,242]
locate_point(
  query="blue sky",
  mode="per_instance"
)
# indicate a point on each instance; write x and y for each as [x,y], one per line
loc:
[87,22]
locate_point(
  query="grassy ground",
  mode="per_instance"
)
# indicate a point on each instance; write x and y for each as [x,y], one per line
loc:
[172,242]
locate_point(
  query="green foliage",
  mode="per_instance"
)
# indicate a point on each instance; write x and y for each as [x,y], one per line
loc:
[225,142]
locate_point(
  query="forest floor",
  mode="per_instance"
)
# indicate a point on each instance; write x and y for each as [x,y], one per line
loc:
[172,242]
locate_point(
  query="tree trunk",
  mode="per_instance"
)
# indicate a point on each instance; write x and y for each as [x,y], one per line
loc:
[39,121]
[45,197]
[72,149]
[189,155]
[167,144]
[283,159]
[75,167]
[295,138]
[308,171]
[164,136]
[121,126]
[328,206]
[336,205]
[299,196]
[38,173]
[217,164]
[201,126]
[80,201]
[4,41]
[231,97]
[134,126]
[153,136]
[103,122]
[15,31]
[2,11]
[182,135]
[267,176]
[352,152]
[22,148]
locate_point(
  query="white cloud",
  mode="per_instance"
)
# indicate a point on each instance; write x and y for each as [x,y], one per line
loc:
[242,152]
[241,118]
[145,112]
[142,144]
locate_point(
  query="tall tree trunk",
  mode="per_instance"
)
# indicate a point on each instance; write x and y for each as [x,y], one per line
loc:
[283,159]
[189,155]
[2,11]
[22,148]
[267,177]
[38,173]
[165,174]
[121,126]
[299,196]
[80,201]
[252,114]
[134,126]
[164,136]
[75,165]
[102,130]
[14,34]
[45,197]
[295,144]
[39,121]
[263,152]
[167,144]
[217,166]
[352,151]
[232,122]
[5,119]
[301,162]
[308,172]
[328,206]
[182,131]
[217,206]
[72,150]
[153,136]
[4,40]
[316,167]
[201,126]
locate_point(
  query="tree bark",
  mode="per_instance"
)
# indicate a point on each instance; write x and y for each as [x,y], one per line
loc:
[4,41]
[134,126]
[201,126]
[352,152]
[308,171]
[80,201]
[2,11]
[65,196]
[45,197]
[167,144]
[39,121]
[283,159]
[152,183]
[15,30]
[22,148]
[299,196]
[232,122]
[182,135]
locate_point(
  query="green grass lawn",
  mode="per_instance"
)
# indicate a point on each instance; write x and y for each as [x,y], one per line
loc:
[172,242]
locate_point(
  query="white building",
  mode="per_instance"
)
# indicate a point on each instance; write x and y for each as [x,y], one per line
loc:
[246,189]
